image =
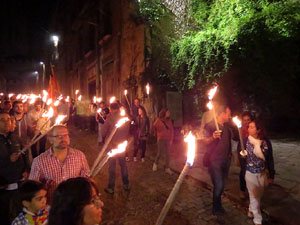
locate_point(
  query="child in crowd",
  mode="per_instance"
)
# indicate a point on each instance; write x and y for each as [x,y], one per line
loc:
[33,198]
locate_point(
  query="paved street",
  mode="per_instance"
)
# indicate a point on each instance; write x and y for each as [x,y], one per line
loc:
[149,191]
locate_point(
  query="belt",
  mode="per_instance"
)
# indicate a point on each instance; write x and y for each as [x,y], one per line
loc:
[9,187]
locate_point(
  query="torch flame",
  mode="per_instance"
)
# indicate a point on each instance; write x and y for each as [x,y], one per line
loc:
[121,122]
[122,112]
[148,89]
[95,99]
[209,105]
[18,96]
[49,114]
[32,101]
[212,92]
[10,95]
[76,92]
[125,92]
[60,97]
[1,94]
[59,119]
[112,99]
[56,103]
[99,110]
[80,97]
[237,122]
[99,100]
[49,101]
[121,148]
[67,98]
[191,140]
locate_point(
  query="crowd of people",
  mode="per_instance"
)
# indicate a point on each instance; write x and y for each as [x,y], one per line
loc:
[53,186]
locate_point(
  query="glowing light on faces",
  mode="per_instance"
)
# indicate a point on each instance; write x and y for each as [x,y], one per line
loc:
[237,122]
[112,99]
[191,141]
[121,148]
[212,92]
[122,121]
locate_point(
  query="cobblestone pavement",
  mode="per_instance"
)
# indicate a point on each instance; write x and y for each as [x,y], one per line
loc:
[149,191]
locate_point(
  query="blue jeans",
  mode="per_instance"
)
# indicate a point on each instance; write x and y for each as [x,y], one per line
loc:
[218,172]
[112,171]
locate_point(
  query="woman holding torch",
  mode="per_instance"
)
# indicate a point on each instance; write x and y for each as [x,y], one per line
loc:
[259,158]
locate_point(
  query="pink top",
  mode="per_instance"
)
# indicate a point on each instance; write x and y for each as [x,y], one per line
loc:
[163,131]
[49,170]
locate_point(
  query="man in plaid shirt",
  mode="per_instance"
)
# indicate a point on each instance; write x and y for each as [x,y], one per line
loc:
[59,163]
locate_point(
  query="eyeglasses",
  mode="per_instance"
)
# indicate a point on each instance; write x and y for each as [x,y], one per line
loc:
[96,201]
[61,136]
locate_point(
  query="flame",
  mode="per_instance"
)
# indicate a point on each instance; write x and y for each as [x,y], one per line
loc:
[76,92]
[45,92]
[59,119]
[121,122]
[10,95]
[237,121]
[99,100]
[212,92]
[32,100]
[191,140]
[56,103]
[112,99]
[60,97]
[209,105]
[99,110]
[148,89]
[67,99]
[18,96]
[49,101]
[121,148]
[80,97]
[95,99]
[122,112]
[49,114]
[125,92]
[1,94]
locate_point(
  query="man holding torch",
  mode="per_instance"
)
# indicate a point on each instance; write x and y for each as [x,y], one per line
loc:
[59,163]
[218,155]
[121,135]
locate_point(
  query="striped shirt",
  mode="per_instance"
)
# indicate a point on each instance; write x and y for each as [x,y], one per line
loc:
[49,170]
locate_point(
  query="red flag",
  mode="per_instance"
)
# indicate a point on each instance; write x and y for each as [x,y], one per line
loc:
[53,90]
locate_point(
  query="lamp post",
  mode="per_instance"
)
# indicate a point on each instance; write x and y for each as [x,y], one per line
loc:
[43,78]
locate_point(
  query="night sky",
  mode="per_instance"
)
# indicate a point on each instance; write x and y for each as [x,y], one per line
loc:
[24,28]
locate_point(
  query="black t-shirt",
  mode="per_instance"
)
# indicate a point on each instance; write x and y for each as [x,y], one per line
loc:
[221,148]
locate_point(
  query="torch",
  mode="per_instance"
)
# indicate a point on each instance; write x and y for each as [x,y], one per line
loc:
[107,141]
[148,89]
[79,98]
[191,140]
[125,93]
[112,99]
[49,114]
[210,105]
[239,126]
[121,148]
[59,119]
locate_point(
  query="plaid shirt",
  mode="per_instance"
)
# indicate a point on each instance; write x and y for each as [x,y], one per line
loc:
[49,170]
[28,218]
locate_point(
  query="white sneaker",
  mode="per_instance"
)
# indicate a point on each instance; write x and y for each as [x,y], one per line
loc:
[143,160]
[134,159]
[168,171]
[154,167]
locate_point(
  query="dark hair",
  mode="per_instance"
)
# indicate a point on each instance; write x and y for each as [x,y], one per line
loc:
[143,110]
[221,108]
[56,126]
[69,199]
[162,113]
[246,113]
[261,128]
[29,188]
[16,102]
[38,103]
[114,106]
